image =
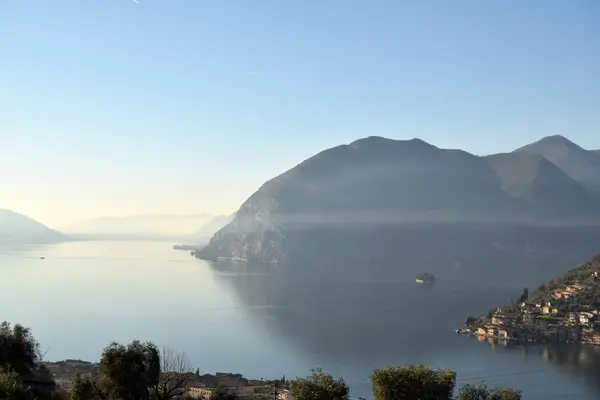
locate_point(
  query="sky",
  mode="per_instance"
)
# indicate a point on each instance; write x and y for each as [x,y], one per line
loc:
[123,107]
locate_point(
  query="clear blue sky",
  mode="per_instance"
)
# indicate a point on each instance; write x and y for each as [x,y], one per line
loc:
[110,107]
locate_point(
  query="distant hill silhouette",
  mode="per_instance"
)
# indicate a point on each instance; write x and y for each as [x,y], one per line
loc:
[377,183]
[138,226]
[18,229]
[207,230]
[578,163]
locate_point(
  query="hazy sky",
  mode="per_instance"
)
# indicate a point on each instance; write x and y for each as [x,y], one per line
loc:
[114,107]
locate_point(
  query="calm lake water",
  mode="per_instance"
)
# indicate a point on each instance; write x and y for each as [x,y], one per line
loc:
[263,321]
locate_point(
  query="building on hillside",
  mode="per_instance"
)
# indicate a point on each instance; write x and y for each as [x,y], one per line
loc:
[199,391]
[285,395]
[591,337]
[546,310]
[503,333]
[574,288]
[77,363]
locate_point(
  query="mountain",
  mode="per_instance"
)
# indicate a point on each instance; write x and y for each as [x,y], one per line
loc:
[207,230]
[139,226]
[16,228]
[578,163]
[377,186]
[538,182]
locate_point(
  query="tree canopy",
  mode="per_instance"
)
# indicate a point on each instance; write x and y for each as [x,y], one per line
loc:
[412,382]
[483,392]
[320,386]
[139,371]
[20,351]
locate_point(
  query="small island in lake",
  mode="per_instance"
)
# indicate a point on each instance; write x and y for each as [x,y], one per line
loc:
[425,278]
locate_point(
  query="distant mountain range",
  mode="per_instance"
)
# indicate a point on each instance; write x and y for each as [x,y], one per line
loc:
[377,183]
[18,229]
[144,226]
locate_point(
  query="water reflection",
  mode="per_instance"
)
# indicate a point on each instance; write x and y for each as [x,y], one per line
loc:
[580,362]
[354,324]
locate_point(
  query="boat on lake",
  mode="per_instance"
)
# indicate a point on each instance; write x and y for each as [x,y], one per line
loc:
[425,278]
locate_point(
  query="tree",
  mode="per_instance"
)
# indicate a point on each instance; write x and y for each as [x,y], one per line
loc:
[12,388]
[131,371]
[139,371]
[524,297]
[506,394]
[21,374]
[219,393]
[319,386]
[483,392]
[410,382]
[20,351]
[175,376]
[83,388]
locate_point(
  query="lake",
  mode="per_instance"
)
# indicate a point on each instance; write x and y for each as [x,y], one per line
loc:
[265,321]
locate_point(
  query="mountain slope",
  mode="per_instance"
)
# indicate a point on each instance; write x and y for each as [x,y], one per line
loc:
[545,187]
[376,183]
[211,227]
[16,228]
[578,163]
[564,309]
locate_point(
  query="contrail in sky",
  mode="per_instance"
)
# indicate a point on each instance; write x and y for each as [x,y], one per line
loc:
[136,1]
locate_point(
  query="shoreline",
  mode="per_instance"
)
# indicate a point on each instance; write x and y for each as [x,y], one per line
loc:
[527,341]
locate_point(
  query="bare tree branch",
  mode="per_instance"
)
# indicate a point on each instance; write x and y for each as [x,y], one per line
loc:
[172,361]
[176,375]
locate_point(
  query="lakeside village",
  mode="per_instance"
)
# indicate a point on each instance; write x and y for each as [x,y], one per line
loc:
[564,311]
[200,386]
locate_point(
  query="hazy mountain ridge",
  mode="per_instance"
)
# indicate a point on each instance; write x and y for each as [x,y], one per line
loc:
[17,228]
[141,226]
[376,181]
[580,164]
[537,181]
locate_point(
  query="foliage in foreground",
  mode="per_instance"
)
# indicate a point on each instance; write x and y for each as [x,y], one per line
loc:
[412,382]
[483,392]
[408,382]
[140,371]
[320,386]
